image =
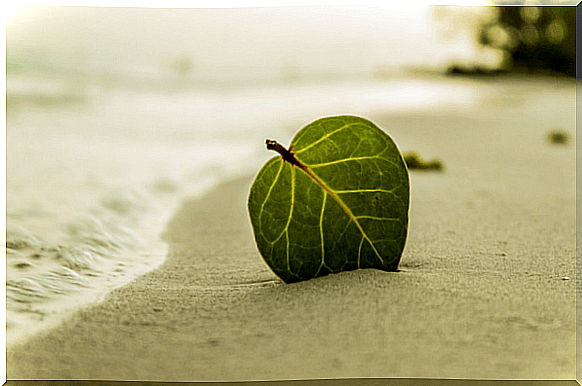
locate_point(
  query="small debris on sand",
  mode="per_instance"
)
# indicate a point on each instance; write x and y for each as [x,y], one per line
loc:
[558,137]
[414,161]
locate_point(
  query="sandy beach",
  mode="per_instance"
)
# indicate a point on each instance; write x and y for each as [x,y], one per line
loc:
[486,287]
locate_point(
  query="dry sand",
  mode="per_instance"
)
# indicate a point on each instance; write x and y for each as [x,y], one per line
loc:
[482,292]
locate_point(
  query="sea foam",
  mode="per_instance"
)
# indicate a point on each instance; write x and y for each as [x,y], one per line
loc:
[100,250]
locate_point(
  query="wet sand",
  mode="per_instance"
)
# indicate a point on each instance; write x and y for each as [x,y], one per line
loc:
[486,287]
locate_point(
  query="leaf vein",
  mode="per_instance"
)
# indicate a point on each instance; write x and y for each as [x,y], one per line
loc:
[321,229]
[327,136]
[364,191]
[345,208]
[290,210]
[377,218]
[270,190]
[350,159]
[360,251]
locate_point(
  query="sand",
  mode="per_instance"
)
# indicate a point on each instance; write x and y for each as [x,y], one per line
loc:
[486,287]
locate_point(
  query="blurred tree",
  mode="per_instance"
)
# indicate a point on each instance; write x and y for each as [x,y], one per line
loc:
[532,39]
[538,38]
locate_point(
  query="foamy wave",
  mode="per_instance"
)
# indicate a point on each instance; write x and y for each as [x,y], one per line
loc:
[45,286]
[80,257]
[100,251]
[103,233]
[128,202]
[19,238]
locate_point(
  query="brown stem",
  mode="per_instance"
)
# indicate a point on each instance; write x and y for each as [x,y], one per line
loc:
[287,155]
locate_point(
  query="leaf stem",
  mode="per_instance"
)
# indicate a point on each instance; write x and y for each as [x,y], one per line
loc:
[287,155]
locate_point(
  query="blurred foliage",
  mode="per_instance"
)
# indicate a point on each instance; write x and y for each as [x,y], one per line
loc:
[527,39]
[558,137]
[538,38]
[414,161]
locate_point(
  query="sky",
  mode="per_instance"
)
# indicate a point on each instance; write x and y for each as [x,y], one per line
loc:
[338,38]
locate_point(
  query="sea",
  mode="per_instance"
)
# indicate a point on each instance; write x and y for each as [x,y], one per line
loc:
[96,164]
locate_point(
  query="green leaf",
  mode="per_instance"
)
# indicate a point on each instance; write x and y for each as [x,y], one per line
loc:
[337,200]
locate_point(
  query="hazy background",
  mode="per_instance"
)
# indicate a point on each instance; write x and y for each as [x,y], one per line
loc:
[181,48]
[242,43]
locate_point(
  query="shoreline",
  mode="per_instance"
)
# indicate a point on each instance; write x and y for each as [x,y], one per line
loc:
[62,296]
[484,289]
[470,302]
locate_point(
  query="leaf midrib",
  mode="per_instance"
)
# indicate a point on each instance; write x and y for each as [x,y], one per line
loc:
[332,193]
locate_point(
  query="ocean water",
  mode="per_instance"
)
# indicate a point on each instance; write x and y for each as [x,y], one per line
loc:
[95,169]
